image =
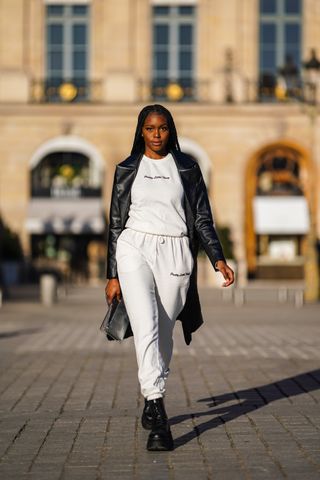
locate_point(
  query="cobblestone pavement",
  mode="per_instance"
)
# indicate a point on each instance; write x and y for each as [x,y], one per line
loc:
[243,399]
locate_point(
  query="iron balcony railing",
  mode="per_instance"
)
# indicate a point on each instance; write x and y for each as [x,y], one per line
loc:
[65,90]
[218,90]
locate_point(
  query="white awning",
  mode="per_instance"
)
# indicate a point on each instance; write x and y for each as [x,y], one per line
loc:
[281,215]
[50,215]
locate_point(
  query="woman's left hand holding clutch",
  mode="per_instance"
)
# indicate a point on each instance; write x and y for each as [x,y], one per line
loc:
[113,290]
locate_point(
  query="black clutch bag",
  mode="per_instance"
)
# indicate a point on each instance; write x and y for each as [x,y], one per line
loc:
[116,324]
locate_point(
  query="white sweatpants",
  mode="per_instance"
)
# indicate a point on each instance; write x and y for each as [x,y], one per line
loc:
[154,273]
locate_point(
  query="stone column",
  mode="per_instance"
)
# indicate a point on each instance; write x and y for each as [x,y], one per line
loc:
[120,82]
[229,32]
[311,30]
[14,86]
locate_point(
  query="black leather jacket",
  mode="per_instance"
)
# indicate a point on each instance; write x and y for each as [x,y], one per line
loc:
[198,218]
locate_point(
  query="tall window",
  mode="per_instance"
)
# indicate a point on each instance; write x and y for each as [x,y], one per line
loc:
[280,44]
[173,52]
[67,52]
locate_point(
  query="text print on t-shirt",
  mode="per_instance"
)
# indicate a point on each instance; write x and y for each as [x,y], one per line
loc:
[157,177]
[180,274]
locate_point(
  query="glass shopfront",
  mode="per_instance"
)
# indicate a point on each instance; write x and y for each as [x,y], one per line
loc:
[280,215]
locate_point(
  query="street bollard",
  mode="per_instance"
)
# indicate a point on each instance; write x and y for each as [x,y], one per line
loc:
[282,295]
[298,298]
[239,297]
[48,289]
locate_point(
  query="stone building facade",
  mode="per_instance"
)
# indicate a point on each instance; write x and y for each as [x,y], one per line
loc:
[75,74]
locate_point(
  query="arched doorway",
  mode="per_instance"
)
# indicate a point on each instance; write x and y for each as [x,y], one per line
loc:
[280,207]
[66,220]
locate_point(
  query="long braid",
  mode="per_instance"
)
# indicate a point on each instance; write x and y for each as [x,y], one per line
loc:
[138,142]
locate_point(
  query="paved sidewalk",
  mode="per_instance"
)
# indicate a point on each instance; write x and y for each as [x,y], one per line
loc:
[243,399]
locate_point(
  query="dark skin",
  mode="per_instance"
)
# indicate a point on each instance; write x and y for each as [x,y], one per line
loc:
[155,132]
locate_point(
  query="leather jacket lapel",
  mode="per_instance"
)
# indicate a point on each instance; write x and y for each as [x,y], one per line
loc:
[125,178]
[188,178]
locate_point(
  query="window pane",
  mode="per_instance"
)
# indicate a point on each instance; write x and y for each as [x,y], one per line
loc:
[292,33]
[268,6]
[161,60]
[293,55]
[55,10]
[79,34]
[185,34]
[186,81]
[55,80]
[161,10]
[80,10]
[268,33]
[55,34]
[80,80]
[55,60]
[79,60]
[268,60]
[185,60]
[160,81]
[161,34]
[292,6]
[186,10]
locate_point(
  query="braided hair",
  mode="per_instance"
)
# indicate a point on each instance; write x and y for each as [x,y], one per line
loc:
[138,142]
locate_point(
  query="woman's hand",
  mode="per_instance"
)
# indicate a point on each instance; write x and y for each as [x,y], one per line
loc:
[227,272]
[113,290]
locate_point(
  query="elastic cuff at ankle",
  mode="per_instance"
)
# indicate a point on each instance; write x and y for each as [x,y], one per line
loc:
[154,396]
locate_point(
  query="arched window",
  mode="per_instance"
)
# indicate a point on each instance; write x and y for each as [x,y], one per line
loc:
[64,174]
[278,173]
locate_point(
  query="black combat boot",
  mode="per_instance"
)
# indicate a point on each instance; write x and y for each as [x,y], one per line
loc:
[146,419]
[160,437]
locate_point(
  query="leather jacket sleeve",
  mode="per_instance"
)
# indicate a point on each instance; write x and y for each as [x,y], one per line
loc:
[204,224]
[115,229]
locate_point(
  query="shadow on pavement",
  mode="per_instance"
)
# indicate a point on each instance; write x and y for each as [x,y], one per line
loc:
[16,333]
[248,400]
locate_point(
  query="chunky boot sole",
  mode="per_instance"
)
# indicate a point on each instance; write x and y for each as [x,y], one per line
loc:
[160,442]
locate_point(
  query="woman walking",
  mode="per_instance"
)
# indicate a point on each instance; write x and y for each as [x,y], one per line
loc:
[159,214]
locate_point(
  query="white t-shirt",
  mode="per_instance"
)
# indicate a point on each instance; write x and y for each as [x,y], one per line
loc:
[157,198]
